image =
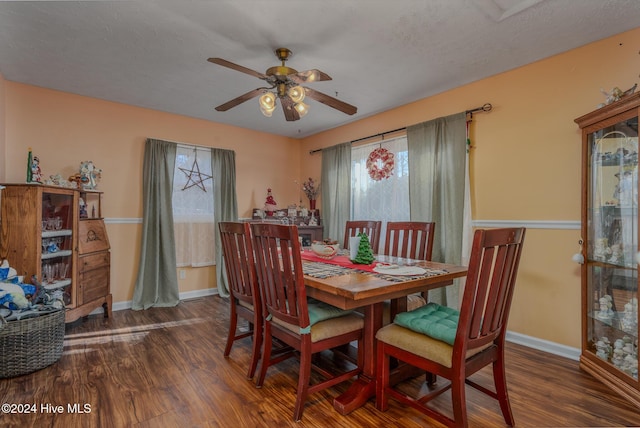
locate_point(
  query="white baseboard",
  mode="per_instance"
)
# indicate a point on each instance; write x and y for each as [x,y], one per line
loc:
[544,345]
[120,306]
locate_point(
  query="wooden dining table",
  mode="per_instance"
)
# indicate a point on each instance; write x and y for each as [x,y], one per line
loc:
[349,286]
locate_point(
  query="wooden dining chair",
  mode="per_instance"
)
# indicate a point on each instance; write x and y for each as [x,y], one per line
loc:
[456,344]
[244,296]
[411,240]
[308,327]
[370,227]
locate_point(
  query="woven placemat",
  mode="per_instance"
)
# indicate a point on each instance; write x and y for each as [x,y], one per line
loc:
[326,270]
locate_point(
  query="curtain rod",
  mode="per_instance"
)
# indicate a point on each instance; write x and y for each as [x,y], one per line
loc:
[486,107]
[183,145]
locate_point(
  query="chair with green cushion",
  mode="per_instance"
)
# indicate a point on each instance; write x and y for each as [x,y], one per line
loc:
[308,326]
[456,344]
[243,287]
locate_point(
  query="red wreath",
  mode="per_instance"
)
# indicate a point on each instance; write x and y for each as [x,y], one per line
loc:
[380,164]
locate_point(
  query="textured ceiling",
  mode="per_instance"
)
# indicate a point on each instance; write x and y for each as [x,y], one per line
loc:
[380,54]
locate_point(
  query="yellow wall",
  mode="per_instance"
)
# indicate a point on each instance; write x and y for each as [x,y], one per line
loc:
[64,129]
[525,165]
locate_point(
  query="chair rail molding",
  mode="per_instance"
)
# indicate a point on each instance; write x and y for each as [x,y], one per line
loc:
[530,224]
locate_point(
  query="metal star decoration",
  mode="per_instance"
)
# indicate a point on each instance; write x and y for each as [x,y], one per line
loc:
[195,177]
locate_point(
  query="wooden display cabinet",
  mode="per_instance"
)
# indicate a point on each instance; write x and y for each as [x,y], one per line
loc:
[40,232]
[610,232]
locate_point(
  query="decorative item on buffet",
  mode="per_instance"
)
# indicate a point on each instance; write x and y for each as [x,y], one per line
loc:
[326,249]
[313,221]
[311,189]
[270,204]
[90,175]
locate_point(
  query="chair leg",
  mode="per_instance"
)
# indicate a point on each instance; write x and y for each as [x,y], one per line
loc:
[233,324]
[267,342]
[255,351]
[500,381]
[303,381]
[382,379]
[459,401]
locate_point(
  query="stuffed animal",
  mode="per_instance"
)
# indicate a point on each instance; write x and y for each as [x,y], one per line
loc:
[14,296]
[13,293]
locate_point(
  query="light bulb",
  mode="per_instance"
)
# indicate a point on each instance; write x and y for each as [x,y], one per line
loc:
[268,101]
[302,109]
[296,93]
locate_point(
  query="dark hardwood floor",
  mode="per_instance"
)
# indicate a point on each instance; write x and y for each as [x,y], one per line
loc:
[164,368]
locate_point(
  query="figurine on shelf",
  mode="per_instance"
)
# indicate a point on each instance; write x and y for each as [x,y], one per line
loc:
[83,208]
[270,204]
[616,254]
[90,175]
[603,347]
[36,173]
[629,321]
[601,251]
[313,221]
[605,312]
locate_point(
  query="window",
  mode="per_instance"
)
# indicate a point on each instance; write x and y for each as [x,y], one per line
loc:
[193,213]
[386,199]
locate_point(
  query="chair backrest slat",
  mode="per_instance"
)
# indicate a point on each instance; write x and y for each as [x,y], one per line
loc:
[279,272]
[495,256]
[409,239]
[371,227]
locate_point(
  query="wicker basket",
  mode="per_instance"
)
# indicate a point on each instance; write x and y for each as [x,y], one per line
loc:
[31,344]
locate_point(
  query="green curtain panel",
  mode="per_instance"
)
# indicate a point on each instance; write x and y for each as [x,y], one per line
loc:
[157,283]
[437,171]
[225,203]
[335,180]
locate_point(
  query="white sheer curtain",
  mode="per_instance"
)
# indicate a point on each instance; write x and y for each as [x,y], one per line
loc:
[386,199]
[193,213]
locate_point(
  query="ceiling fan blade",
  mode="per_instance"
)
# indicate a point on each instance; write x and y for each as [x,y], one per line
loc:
[307,76]
[231,65]
[331,102]
[239,100]
[290,113]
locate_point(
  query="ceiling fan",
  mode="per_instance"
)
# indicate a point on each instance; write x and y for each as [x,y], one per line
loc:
[286,85]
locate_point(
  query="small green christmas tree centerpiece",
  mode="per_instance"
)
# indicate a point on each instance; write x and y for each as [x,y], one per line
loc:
[365,255]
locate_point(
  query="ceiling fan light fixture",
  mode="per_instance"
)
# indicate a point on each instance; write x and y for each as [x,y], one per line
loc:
[296,93]
[302,109]
[310,75]
[268,101]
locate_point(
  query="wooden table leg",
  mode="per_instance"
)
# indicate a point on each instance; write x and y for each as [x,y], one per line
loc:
[365,386]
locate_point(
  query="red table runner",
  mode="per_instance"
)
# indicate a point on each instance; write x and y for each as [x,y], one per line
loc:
[338,260]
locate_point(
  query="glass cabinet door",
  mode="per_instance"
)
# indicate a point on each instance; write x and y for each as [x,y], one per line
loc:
[612,246]
[57,242]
